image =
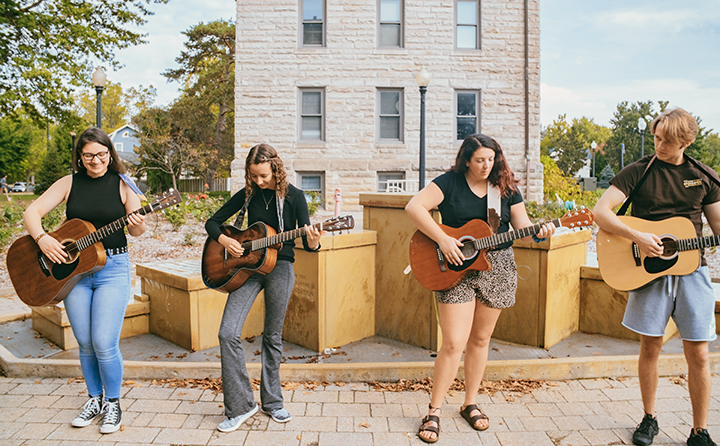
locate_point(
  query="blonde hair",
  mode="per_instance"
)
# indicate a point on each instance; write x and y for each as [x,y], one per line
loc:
[265,153]
[678,126]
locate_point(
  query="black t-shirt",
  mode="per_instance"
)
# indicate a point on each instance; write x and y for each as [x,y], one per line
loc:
[668,191]
[98,201]
[295,215]
[460,204]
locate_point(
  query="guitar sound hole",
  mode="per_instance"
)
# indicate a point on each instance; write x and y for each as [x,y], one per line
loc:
[670,249]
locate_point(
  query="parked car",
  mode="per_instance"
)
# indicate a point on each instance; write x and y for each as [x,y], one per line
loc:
[19,187]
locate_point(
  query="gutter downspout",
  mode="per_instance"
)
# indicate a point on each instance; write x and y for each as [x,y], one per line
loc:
[527,101]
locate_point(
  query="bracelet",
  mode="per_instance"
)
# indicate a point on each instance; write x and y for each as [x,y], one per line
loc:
[536,239]
[316,249]
[37,239]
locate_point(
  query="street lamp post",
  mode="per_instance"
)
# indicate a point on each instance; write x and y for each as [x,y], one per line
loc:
[423,80]
[593,146]
[642,125]
[98,79]
[622,155]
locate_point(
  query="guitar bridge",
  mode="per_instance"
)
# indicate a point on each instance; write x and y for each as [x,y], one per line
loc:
[636,254]
[42,261]
[441,258]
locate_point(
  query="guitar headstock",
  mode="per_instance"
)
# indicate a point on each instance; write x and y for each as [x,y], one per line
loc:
[577,219]
[341,223]
[166,200]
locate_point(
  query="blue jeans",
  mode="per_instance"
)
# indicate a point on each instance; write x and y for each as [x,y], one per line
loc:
[96,310]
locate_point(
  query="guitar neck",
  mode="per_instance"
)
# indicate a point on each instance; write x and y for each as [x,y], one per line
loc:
[94,237]
[505,237]
[690,244]
[282,237]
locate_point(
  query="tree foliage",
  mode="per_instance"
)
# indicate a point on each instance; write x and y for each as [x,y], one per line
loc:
[118,105]
[47,48]
[624,125]
[570,143]
[204,113]
[16,136]
[606,175]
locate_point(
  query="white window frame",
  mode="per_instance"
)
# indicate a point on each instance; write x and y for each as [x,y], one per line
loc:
[400,44]
[321,174]
[302,90]
[383,177]
[478,110]
[118,147]
[126,134]
[458,25]
[303,22]
[400,115]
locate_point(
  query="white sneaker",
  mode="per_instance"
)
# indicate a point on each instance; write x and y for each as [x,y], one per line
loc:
[232,424]
[278,415]
[113,417]
[91,409]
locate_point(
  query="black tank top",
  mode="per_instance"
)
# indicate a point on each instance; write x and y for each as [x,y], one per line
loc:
[97,200]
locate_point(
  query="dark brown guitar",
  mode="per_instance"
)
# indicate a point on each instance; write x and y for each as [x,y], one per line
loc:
[222,271]
[435,273]
[38,281]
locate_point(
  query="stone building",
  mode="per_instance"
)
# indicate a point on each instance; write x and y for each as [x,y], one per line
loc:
[331,85]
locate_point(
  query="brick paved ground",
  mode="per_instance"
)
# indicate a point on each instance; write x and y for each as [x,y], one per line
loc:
[578,412]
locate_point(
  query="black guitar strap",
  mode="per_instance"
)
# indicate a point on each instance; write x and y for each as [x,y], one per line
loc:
[630,197]
[702,168]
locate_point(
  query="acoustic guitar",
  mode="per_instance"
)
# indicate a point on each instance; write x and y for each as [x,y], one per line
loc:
[625,268]
[38,281]
[435,273]
[222,271]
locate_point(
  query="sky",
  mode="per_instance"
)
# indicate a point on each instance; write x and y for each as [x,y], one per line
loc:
[593,54]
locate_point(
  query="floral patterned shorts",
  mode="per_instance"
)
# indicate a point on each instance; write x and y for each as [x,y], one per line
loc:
[495,287]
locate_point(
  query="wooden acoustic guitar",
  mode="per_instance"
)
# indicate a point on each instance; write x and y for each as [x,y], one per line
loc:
[38,281]
[222,271]
[435,273]
[625,268]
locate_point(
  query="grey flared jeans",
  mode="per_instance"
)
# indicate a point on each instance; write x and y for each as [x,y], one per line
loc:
[237,390]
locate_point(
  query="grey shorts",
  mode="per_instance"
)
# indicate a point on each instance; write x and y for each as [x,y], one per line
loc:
[689,300]
[495,288]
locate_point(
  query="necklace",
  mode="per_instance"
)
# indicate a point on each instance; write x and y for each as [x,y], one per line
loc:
[267,202]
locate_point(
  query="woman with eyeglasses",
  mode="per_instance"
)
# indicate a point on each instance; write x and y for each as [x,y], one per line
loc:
[96,306]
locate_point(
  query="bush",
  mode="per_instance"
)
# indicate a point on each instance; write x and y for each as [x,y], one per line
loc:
[10,222]
[315,202]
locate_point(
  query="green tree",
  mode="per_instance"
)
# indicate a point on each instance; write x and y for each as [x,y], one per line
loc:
[15,141]
[713,147]
[204,113]
[624,125]
[570,143]
[606,175]
[47,47]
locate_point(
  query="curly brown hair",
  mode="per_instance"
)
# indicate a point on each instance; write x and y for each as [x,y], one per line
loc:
[500,176]
[265,153]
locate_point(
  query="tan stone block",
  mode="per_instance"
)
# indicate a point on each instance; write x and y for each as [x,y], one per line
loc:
[183,436]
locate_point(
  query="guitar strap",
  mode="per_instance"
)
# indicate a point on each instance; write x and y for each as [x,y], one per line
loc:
[701,168]
[625,205]
[494,207]
[131,184]
[279,206]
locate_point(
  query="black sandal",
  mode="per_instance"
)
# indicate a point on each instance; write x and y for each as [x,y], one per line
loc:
[434,429]
[473,420]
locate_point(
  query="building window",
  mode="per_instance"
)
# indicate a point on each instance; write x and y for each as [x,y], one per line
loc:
[391,21]
[313,24]
[312,107]
[467,24]
[118,147]
[313,185]
[467,109]
[126,134]
[390,115]
[384,177]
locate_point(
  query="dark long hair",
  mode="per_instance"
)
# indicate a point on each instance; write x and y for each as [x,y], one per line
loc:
[500,176]
[94,134]
[265,153]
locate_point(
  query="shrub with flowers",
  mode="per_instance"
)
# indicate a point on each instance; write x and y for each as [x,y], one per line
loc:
[195,206]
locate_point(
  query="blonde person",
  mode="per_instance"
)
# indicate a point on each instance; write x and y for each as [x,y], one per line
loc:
[669,184]
[468,311]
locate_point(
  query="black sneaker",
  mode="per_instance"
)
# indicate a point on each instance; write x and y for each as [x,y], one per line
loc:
[646,431]
[700,438]
[113,417]
[91,409]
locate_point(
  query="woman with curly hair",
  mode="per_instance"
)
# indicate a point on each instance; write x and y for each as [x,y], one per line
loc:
[269,198]
[479,186]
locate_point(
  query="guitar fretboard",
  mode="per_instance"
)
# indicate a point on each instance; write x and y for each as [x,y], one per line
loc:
[94,237]
[505,237]
[690,244]
[276,239]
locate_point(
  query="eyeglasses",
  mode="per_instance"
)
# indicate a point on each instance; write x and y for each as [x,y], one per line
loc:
[102,156]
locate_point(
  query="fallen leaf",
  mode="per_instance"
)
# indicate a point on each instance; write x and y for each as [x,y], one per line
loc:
[122,427]
[299,437]
[365,425]
[129,383]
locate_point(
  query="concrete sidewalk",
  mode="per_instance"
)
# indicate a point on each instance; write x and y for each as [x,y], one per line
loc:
[576,412]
